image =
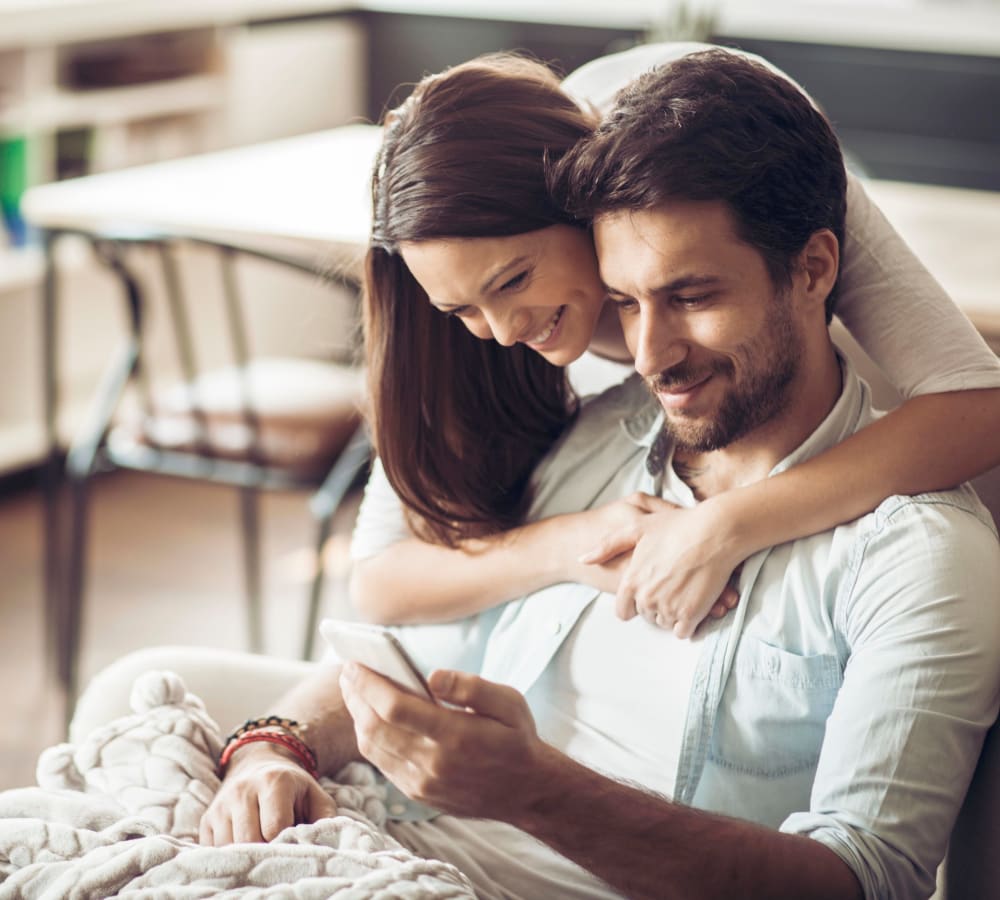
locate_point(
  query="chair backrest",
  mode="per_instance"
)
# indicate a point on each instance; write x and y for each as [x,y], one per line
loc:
[205,402]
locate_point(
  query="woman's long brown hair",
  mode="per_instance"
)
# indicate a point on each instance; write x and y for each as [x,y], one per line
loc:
[460,423]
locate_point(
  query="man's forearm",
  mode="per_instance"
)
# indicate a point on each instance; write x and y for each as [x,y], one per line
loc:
[648,847]
[318,706]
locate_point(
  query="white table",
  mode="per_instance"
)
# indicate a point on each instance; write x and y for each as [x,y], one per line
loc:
[301,195]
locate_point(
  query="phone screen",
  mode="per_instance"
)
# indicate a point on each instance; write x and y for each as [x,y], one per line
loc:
[377,649]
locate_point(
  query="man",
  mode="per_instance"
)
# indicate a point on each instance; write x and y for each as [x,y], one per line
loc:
[815,743]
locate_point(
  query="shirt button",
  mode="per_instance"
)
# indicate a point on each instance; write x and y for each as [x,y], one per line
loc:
[556,626]
[397,809]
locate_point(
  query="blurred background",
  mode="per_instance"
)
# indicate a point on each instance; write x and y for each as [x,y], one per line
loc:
[97,86]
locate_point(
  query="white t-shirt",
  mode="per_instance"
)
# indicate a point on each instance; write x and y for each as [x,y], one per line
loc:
[615,696]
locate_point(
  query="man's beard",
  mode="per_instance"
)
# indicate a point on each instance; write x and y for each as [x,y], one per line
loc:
[769,365]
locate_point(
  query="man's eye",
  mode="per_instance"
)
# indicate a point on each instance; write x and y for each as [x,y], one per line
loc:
[691,302]
[514,282]
[624,304]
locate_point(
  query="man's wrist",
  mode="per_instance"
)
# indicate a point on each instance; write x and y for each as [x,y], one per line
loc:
[259,753]
[541,796]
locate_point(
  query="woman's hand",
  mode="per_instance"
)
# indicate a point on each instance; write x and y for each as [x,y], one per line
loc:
[680,563]
[577,533]
[263,793]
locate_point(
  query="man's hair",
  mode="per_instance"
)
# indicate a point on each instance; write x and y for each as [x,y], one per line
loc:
[715,126]
[460,423]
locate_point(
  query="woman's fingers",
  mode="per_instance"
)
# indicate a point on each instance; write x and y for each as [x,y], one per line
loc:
[648,503]
[609,547]
[625,607]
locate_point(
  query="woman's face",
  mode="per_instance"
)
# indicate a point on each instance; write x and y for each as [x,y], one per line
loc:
[541,288]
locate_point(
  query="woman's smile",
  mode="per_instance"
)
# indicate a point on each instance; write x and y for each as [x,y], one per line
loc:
[548,334]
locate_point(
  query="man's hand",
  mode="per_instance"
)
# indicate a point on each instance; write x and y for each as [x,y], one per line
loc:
[678,570]
[483,759]
[263,793]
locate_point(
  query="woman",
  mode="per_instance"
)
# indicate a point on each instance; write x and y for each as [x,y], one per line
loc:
[467,246]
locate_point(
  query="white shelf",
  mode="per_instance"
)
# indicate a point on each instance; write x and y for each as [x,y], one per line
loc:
[234,88]
[110,106]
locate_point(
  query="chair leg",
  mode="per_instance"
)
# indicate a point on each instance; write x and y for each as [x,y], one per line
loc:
[316,589]
[346,471]
[69,617]
[250,522]
[52,481]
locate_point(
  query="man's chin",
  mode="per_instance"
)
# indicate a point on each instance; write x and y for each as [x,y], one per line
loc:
[694,434]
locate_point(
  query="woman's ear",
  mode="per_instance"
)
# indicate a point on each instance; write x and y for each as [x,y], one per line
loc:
[819,262]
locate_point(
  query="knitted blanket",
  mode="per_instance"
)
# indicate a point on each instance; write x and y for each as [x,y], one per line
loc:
[118,815]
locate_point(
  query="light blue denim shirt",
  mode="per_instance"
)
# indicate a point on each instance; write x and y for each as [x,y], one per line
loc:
[845,698]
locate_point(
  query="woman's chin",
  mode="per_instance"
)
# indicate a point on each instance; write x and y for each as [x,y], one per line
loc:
[563,355]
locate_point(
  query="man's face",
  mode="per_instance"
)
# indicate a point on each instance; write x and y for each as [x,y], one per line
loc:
[719,346]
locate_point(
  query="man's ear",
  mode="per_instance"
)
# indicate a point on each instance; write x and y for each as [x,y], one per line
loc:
[819,262]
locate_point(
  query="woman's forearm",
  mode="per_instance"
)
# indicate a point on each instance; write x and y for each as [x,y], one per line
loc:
[416,582]
[931,442]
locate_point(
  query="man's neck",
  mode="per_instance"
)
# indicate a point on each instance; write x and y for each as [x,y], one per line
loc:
[752,457]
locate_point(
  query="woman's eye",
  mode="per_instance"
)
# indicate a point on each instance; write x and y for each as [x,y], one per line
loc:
[514,282]
[459,312]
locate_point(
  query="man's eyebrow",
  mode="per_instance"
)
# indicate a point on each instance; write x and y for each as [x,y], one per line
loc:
[672,287]
[487,285]
[688,281]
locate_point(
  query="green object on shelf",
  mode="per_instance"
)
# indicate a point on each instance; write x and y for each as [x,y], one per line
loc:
[13,184]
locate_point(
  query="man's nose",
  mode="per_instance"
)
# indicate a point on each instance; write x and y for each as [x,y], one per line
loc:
[509,326]
[659,346]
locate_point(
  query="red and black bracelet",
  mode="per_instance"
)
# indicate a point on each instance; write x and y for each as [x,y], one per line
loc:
[273,730]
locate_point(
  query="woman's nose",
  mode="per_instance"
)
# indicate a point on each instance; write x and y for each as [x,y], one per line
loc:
[509,327]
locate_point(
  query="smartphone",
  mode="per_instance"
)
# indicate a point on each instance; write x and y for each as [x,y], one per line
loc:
[379,650]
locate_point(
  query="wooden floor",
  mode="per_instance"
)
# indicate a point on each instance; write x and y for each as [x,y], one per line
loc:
[164,568]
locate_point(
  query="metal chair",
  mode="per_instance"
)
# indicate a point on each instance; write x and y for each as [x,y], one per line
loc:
[253,423]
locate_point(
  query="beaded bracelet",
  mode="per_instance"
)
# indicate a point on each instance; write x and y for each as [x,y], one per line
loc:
[299,748]
[289,725]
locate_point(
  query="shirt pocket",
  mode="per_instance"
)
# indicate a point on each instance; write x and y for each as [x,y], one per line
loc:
[774,708]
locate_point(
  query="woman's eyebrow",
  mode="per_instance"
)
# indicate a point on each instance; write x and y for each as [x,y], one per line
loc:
[506,267]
